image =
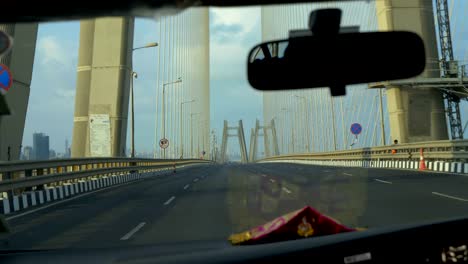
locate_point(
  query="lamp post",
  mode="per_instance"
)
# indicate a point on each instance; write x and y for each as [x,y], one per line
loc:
[191,133]
[202,128]
[181,127]
[307,118]
[149,45]
[284,110]
[332,100]
[179,80]
[134,75]
[382,124]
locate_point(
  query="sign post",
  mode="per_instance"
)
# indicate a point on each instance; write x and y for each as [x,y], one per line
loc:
[356,129]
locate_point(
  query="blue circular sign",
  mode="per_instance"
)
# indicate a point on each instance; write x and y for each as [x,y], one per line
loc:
[356,129]
[5,78]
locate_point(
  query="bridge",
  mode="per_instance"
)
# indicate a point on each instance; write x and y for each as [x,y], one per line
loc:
[300,151]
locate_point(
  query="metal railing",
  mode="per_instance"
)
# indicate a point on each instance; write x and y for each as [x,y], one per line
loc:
[443,150]
[19,175]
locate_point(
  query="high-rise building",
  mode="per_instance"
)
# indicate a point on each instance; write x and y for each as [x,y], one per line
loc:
[52,154]
[65,155]
[40,146]
[27,153]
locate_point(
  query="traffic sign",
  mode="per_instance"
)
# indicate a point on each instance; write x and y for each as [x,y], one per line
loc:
[5,79]
[356,129]
[164,143]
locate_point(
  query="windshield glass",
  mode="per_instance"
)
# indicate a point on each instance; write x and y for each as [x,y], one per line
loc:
[122,112]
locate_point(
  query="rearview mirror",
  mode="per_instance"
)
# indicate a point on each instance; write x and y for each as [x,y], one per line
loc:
[335,60]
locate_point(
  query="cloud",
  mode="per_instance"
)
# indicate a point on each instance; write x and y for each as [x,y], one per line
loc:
[52,51]
[226,32]
[243,15]
[65,94]
[234,31]
[52,96]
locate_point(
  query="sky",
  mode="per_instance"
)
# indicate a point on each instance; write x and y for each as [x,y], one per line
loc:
[233,32]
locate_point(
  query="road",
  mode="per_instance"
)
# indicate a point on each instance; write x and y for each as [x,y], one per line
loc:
[208,203]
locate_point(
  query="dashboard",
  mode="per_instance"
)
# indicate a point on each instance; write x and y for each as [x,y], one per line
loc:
[432,242]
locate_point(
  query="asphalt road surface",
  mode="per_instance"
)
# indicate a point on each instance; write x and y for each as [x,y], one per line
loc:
[208,203]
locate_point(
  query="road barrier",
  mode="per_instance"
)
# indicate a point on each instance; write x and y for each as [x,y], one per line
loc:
[444,156]
[29,184]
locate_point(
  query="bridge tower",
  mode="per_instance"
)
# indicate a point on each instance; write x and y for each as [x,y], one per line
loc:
[255,133]
[240,135]
[102,87]
[20,61]
[416,114]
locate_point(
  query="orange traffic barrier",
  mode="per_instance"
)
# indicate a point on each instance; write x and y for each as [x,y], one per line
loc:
[422,162]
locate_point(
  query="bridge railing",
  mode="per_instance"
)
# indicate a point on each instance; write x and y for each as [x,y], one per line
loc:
[19,175]
[30,184]
[444,155]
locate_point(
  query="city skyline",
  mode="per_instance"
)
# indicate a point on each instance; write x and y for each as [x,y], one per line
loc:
[42,141]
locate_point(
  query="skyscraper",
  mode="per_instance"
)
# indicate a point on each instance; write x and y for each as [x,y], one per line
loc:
[52,154]
[40,146]
[27,153]
[67,150]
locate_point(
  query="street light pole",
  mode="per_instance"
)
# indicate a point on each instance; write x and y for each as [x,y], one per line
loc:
[181,127]
[284,110]
[307,118]
[164,109]
[132,76]
[191,133]
[382,124]
[333,121]
[149,45]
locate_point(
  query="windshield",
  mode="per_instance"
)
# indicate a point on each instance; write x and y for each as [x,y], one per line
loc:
[172,91]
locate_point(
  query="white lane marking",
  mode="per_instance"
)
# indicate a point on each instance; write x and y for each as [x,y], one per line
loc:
[67,200]
[195,180]
[286,190]
[263,175]
[326,171]
[382,181]
[272,180]
[186,186]
[347,174]
[170,200]
[133,231]
[449,196]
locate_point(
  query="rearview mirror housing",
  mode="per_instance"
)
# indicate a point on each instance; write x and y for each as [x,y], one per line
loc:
[335,60]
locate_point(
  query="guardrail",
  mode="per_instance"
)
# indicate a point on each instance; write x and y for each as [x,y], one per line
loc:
[56,179]
[452,154]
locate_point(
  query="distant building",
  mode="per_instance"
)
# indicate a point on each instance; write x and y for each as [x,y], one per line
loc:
[40,146]
[27,153]
[67,152]
[52,154]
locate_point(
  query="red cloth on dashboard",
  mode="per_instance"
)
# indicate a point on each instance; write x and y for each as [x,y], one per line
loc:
[306,222]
